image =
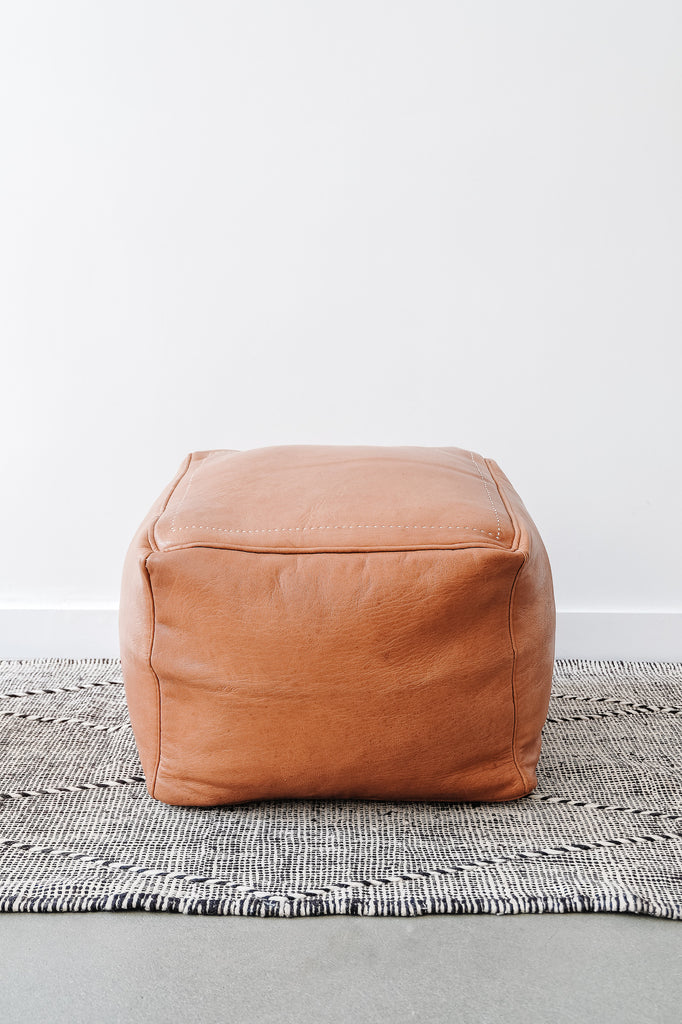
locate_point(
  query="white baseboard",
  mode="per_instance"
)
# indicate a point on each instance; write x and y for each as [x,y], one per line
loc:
[92,632]
[619,636]
[66,631]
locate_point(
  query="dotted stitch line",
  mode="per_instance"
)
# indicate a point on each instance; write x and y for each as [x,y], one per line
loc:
[197,464]
[354,526]
[490,497]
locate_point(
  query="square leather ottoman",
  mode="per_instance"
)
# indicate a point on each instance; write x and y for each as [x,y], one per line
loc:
[321,621]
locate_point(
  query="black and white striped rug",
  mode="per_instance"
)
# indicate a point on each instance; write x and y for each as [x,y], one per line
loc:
[603,831]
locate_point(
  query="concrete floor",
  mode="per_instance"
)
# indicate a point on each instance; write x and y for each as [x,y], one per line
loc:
[546,969]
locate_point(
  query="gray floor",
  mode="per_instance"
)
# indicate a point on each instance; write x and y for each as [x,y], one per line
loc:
[105,968]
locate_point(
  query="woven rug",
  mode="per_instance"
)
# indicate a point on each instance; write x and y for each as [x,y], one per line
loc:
[603,831]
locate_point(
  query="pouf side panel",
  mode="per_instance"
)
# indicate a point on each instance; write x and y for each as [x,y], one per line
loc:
[363,674]
[136,636]
[533,628]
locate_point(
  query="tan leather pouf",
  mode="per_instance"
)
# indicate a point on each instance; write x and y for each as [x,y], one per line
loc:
[365,622]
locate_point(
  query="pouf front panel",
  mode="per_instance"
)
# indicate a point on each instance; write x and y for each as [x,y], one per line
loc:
[364,674]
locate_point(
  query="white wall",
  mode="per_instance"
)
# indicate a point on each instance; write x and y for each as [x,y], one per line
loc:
[235,224]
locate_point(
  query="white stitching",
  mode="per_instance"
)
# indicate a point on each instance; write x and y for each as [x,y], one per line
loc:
[490,497]
[197,464]
[351,526]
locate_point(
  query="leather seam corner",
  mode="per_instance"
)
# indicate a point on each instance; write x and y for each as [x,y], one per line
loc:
[158,681]
[488,494]
[180,477]
[516,540]
[525,783]
[154,548]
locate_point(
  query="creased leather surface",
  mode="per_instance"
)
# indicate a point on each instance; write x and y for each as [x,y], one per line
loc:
[309,621]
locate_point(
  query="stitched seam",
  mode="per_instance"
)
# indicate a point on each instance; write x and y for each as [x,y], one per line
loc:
[349,526]
[197,464]
[153,630]
[513,677]
[158,681]
[150,659]
[506,501]
[487,491]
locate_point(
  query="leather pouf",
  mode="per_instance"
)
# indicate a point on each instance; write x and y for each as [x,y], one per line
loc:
[351,622]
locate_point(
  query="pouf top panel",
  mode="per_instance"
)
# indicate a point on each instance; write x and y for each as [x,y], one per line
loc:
[335,498]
